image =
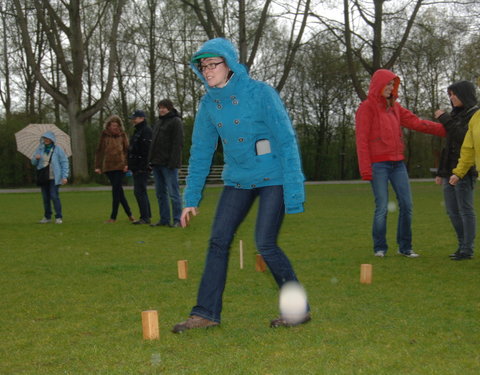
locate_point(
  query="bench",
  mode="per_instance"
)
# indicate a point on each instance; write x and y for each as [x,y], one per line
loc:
[214,177]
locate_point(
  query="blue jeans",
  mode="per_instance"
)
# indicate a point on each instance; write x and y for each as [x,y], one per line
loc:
[50,195]
[232,208]
[118,195]
[140,180]
[460,210]
[167,190]
[396,173]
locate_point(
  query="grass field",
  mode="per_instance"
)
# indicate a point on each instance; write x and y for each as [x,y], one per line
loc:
[72,294]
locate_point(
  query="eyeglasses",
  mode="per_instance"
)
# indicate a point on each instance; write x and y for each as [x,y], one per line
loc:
[210,66]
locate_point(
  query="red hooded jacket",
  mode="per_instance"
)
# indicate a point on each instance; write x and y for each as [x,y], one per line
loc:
[379,126]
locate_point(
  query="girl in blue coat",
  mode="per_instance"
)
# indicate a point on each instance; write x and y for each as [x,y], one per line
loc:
[261,160]
[59,170]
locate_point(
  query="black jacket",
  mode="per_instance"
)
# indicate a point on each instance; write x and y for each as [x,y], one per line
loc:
[167,141]
[456,125]
[139,148]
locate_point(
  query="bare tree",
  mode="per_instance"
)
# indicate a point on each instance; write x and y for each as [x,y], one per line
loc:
[210,18]
[69,42]
[5,92]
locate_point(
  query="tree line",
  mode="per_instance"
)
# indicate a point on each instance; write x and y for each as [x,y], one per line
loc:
[74,63]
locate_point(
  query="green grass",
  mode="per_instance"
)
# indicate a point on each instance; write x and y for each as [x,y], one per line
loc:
[72,294]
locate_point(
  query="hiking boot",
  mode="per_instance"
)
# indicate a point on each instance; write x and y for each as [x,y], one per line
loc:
[193,322]
[453,255]
[409,254]
[160,224]
[45,221]
[141,221]
[281,322]
[462,256]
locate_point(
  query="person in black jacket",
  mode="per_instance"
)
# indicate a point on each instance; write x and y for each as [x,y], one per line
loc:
[459,197]
[138,164]
[166,158]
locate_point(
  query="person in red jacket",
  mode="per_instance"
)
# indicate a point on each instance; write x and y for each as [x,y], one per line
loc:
[380,149]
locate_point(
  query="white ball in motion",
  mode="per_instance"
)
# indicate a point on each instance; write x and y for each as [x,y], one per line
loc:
[293,302]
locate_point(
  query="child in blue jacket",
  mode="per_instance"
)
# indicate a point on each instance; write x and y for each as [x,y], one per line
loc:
[261,160]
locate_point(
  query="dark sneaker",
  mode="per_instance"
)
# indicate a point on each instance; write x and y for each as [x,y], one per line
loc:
[141,221]
[281,322]
[453,255]
[409,254]
[194,322]
[160,224]
[462,256]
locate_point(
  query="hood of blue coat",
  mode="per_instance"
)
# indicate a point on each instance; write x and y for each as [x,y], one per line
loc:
[224,48]
[50,135]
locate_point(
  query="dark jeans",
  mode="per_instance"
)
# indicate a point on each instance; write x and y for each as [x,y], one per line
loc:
[140,180]
[232,208]
[50,195]
[396,173]
[167,190]
[118,195]
[460,210]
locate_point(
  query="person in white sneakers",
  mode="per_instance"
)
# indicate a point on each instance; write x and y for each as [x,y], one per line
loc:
[52,157]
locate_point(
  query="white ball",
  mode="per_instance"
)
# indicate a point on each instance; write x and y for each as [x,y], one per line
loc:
[391,207]
[293,302]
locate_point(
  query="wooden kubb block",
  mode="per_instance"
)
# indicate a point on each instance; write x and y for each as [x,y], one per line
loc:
[366,273]
[150,325]
[182,269]
[260,265]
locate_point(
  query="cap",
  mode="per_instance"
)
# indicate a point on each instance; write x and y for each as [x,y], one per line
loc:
[137,113]
[205,55]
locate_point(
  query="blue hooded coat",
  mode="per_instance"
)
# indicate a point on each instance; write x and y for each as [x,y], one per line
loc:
[59,161]
[242,113]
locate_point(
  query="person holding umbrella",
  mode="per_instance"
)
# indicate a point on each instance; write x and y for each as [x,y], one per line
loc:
[48,153]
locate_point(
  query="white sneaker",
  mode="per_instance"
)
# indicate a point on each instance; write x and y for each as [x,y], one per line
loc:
[380,253]
[58,221]
[409,254]
[44,221]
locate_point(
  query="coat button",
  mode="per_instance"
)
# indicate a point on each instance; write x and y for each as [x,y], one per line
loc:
[219,106]
[240,139]
[238,185]
[219,124]
[253,186]
[236,121]
[235,102]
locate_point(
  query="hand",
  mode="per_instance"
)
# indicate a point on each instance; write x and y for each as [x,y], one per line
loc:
[38,156]
[438,113]
[64,181]
[453,179]
[125,169]
[438,180]
[98,170]
[185,218]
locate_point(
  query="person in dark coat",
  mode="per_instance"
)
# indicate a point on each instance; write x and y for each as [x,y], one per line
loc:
[165,159]
[138,164]
[458,197]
